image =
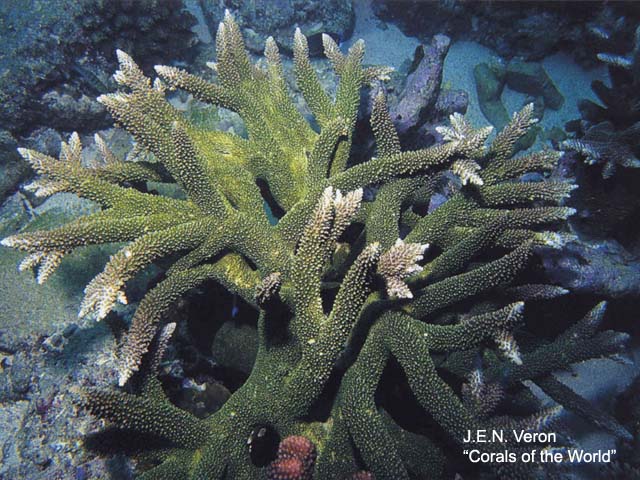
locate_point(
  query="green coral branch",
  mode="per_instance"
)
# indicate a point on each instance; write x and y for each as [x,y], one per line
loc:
[390,337]
[147,416]
[465,285]
[458,255]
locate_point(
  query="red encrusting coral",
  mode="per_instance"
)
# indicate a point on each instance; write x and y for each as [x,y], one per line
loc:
[295,460]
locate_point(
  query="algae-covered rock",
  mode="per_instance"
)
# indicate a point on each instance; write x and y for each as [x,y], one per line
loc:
[555,134]
[490,82]
[235,346]
[489,85]
[533,79]
[13,214]
[12,169]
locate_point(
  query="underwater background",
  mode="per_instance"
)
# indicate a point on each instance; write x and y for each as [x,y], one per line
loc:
[65,391]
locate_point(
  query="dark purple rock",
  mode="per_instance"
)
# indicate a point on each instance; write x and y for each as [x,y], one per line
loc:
[594,267]
[422,88]
[452,101]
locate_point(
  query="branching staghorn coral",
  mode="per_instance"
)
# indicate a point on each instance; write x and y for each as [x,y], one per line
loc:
[603,144]
[340,291]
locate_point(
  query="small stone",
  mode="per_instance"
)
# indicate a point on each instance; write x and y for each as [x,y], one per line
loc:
[69,330]
[55,343]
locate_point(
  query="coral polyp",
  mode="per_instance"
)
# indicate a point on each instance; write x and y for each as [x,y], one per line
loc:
[346,284]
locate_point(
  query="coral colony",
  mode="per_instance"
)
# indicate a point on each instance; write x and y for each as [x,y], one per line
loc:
[347,284]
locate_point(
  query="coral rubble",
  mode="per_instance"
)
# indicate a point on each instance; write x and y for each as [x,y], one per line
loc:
[346,285]
[57,56]
[55,50]
[280,18]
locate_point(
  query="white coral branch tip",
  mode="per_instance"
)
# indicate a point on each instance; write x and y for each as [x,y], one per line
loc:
[467,171]
[508,346]
[398,263]
[101,296]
